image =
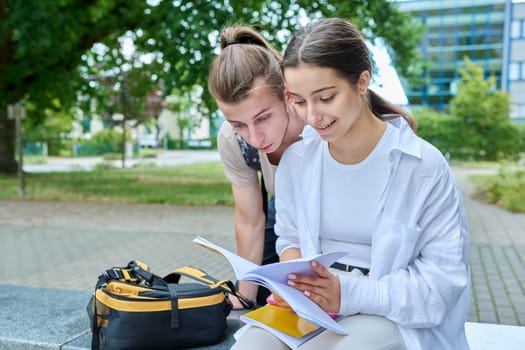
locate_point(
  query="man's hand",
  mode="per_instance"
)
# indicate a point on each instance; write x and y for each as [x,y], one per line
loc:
[237,305]
[248,290]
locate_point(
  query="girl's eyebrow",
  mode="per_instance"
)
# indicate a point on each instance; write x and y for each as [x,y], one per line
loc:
[315,91]
[321,90]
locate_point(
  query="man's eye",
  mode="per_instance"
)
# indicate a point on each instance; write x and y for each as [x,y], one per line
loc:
[261,119]
[298,102]
[326,99]
[237,126]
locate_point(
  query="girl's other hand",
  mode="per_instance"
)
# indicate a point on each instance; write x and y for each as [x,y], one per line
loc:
[275,299]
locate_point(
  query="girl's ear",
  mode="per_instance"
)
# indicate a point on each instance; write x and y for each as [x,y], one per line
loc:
[287,95]
[363,82]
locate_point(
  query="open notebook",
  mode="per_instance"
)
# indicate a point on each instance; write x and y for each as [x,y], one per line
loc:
[275,277]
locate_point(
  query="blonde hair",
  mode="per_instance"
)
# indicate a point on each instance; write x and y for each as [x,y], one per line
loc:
[245,57]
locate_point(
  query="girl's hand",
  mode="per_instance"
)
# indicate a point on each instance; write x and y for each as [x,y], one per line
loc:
[323,288]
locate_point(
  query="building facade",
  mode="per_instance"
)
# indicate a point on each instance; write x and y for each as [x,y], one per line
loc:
[515,60]
[491,33]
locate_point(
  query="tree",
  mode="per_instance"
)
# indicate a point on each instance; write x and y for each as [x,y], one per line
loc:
[188,45]
[180,104]
[128,89]
[52,129]
[477,102]
[43,44]
[482,109]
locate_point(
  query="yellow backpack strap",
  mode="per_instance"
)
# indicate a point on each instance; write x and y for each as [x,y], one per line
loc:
[196,274]
[202,276]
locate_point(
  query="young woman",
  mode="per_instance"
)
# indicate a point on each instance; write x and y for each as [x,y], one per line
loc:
[371,187]
[247,83]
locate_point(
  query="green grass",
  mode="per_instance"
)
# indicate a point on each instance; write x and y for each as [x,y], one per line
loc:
[505,189]
[195,184]
[204,184]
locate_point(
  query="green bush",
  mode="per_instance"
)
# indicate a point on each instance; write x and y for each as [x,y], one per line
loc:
[102,142]
[185,144]
[446,133]
[505,189]
[147,153]
[35,160]
[112,156]
[460,140]
[504,141]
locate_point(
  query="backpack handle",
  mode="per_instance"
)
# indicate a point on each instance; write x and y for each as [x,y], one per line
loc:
[201,276]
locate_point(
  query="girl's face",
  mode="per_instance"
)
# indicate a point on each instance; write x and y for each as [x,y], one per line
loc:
[326,101]
[261,118]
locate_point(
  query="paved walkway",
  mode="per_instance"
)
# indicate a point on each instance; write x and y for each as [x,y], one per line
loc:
[164,158]
[65,245]
[497,259]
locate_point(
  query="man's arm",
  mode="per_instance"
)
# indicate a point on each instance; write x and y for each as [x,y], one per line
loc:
[249,231]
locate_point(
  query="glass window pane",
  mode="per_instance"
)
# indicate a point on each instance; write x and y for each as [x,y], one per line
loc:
[515,29]
[514,71]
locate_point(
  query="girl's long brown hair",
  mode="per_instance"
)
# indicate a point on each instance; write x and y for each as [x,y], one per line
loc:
[336,43]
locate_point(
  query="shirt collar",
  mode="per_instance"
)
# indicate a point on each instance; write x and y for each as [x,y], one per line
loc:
[406,139]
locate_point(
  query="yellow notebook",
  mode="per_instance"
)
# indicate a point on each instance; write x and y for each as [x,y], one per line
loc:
[282,320]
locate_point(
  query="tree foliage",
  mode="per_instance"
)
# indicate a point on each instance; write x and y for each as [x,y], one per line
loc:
[41,45]
[45,46]
[53,128]
[485,110]
[478,126]
[477,101]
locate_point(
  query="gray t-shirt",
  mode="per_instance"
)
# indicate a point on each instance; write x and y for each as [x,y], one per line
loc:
[235,168]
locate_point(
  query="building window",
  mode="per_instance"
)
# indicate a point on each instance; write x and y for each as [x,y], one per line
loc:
[516,29]
[517,71]
[514,71]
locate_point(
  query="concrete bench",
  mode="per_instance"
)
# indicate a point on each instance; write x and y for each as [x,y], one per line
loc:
[488,336]
[42,318]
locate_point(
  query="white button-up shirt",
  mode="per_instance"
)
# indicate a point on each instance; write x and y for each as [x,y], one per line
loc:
[419,275]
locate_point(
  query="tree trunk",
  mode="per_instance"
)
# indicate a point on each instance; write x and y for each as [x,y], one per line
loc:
[8,164]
